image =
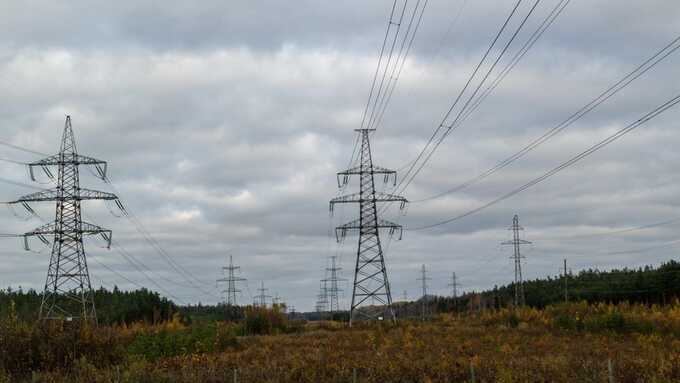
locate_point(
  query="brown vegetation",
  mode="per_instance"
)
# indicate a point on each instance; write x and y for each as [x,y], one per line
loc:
[565,343]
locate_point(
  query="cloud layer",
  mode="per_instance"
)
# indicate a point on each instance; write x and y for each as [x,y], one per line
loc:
[224,125]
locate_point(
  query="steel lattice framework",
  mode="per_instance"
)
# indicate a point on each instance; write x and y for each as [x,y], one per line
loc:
[68,291]
[334,290]
[231,279]
[516,256]
[370,275]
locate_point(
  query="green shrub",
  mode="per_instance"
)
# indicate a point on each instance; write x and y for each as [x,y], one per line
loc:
[264,321]
[197,339]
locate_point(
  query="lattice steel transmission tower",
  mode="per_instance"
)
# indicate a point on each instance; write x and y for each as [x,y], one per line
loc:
[454,286]
[454,289]
[516,242]
[231,279]
[370,273]
[423,279]
[261,298]
[322,297]
[68,291]
[333,292]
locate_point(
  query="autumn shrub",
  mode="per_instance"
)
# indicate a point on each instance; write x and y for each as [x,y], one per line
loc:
[264,321]
[55,345]
[200,338]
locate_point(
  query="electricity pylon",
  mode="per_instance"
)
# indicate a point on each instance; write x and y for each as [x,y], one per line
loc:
[370,274]
[334,289]
[424,278]
[516,242]
[454,289]
[68,291]
[322,297]
[261,298]
[454,286]
[231,279]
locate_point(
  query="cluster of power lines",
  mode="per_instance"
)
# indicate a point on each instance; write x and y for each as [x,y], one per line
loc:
[487,75]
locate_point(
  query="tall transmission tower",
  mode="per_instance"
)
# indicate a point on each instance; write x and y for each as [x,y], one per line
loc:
[68,291]
[334,289]
[231,279]
[261,298]
[516,242]
[423,279]
[370,273]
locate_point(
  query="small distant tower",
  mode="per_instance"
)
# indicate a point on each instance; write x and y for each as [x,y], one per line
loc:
[334,289]
[516,242]
[454,289]
[261,298]
[231,279]
[322,297]
[423,279]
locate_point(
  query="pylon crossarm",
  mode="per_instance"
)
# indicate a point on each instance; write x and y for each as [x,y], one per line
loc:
[344,176]
[519,241]
[51,229]
[378,197]
[68,158]
[341,231]
[54,195]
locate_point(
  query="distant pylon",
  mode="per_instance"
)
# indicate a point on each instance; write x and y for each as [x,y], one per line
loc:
[261,298]
[454,286]
[68,291]
[423,279]
[334,289]
[231,279]
[370,273]
[322,297]
[517,257]
[454,289]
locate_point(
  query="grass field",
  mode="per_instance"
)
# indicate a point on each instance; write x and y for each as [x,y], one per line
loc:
[566,343]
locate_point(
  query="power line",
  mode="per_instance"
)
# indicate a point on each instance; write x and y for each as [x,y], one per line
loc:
[399,63]
[387,66]
[612,232]
[377,69]
[601,98]
[449,128]
[21,148]
[642,120]
[472,76]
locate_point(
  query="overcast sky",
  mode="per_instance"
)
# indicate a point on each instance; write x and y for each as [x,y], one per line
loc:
[224,124]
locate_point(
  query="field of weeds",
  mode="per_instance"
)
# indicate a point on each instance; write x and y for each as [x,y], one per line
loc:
[564,343]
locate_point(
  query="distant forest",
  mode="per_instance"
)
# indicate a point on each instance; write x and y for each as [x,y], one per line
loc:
[648,285]
[116,306]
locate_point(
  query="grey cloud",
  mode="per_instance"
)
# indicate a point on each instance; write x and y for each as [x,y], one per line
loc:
[224,125]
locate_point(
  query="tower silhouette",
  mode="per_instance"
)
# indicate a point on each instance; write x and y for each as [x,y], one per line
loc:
[333,292]
[68,291]
[516,242]
[231,279]
[370,273]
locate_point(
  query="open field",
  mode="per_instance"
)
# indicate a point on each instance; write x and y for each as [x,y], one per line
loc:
[559,344]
